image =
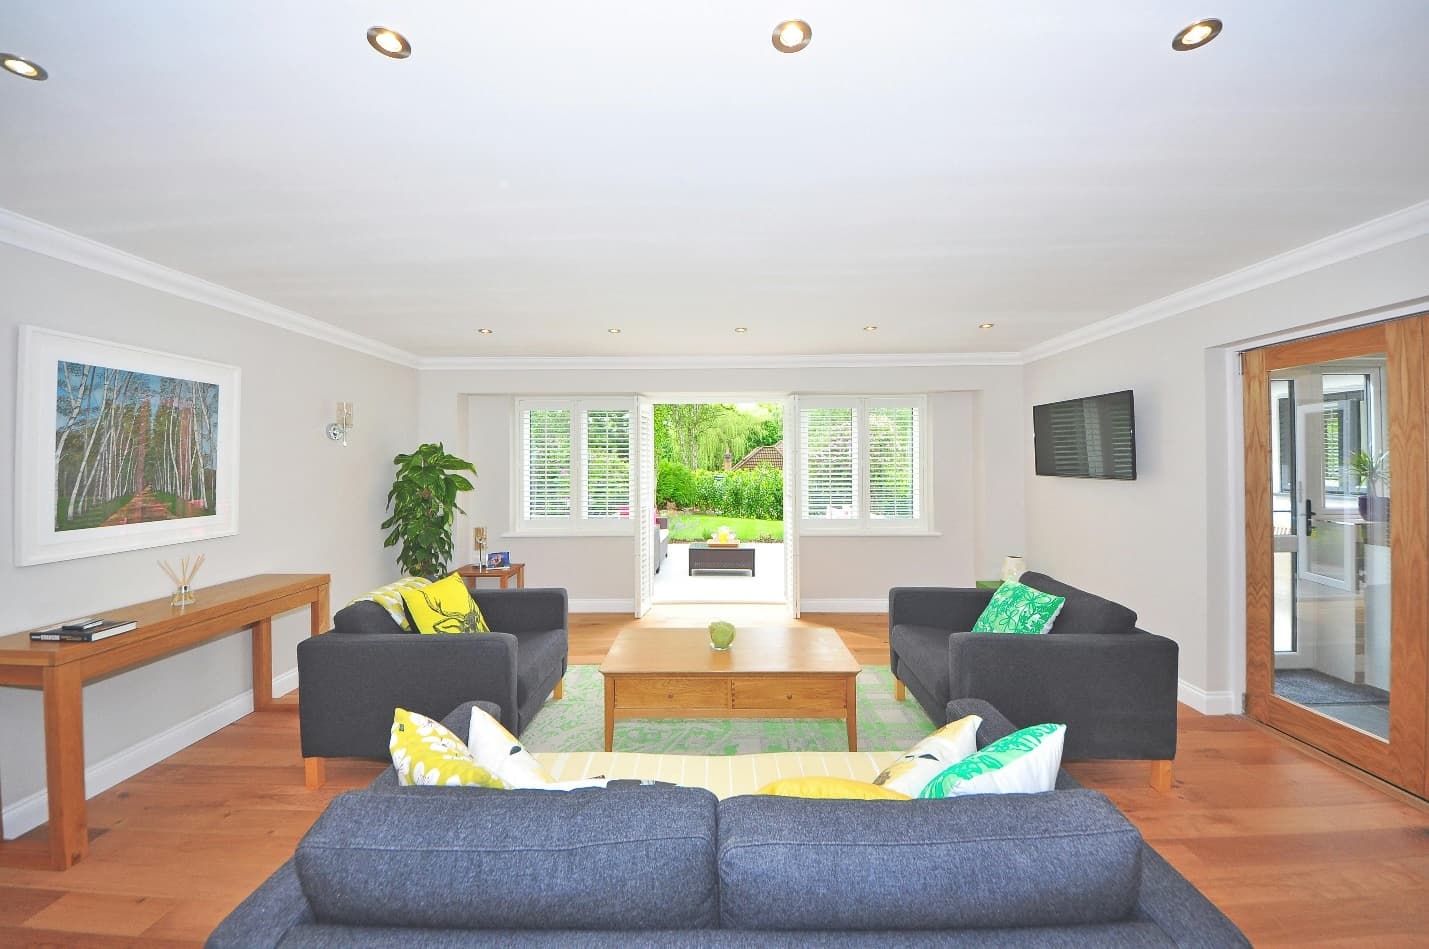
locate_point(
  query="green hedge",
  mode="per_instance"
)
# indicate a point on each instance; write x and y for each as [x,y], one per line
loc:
[758,493]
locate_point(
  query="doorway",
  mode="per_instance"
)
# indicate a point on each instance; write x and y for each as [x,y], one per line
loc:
[718,475]
[1337,548]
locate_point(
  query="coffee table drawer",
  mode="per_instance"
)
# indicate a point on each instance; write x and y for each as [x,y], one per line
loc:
[793,693]
[689,692]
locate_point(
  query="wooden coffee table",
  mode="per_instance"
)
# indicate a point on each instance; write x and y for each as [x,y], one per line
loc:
[770,672]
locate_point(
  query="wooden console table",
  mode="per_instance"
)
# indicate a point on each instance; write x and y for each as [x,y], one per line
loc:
[62,669]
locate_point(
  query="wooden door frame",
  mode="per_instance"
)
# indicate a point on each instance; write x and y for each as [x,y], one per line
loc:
[1401,760]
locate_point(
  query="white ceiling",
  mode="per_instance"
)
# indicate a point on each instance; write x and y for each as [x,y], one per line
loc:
[552,169]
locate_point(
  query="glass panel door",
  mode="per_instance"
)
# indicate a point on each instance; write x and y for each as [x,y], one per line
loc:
[1330,516]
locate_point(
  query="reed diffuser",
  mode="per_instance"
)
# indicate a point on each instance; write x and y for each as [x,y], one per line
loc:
[183,579]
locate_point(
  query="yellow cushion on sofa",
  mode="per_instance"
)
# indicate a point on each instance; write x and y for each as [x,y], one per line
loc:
[444,607]
[390,598]
[425,752]
[844,788]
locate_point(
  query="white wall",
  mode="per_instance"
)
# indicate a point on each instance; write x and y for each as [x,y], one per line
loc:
[307,505]
[976,414]
[1170,544]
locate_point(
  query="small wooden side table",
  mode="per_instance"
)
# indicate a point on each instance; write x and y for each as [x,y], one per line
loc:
[472,573]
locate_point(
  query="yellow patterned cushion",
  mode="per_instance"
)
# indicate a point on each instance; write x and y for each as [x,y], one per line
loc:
[444,607]
[931,756]
[831,788]
[390,598]
[425,752]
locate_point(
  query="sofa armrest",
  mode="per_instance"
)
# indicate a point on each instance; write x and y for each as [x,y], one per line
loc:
[266,916]
[1115,692]
[952,608]
[523,611]
[349,685]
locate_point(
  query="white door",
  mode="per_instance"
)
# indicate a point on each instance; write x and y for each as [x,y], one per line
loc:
[642,463]
[791,504]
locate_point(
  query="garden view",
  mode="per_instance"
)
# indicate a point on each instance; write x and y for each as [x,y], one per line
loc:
[692,485]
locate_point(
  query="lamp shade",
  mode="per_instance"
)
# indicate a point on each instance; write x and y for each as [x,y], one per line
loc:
[1013,566]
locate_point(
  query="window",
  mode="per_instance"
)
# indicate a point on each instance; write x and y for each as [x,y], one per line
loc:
[574,460]
[863,465]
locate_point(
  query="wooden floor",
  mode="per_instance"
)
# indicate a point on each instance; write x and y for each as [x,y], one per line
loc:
[1297,851]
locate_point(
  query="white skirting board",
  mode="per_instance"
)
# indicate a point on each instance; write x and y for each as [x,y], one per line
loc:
[590,605]
[874,604]
[30,812]
[1207,703]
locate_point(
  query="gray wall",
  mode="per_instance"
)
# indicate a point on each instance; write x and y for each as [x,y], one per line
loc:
[976,414]
[1170,544]
[307,505]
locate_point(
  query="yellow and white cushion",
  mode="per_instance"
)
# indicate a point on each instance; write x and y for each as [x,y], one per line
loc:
[390,598]
[927,759]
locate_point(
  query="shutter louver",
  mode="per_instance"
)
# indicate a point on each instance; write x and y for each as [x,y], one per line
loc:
[607,463]
[893,452]
[546,450]
[827,440]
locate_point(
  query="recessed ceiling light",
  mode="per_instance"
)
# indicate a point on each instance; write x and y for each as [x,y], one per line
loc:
[985,326]
[486,331]
[614,331]
[23,67]
[870,328]
[741,329]
[792,36]
[1196,35]
[389,43]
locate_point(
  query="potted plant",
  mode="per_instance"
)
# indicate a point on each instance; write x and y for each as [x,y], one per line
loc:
[423,502]
[1372,471]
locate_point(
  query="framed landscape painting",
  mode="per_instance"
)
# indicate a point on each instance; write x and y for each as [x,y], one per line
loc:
[119,448]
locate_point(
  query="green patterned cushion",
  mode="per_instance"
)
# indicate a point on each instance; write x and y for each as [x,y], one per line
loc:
[390,598]
[1024,762]
[1017,608]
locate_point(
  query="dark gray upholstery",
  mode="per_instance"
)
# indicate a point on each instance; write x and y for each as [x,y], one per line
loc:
[521,860]
[1112,685]
[777,858]
[913,859]
[352,678]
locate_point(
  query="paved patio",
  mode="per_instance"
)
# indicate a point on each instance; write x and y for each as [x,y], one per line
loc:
[673,584]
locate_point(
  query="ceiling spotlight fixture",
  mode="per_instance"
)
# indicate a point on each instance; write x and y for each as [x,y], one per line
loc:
[870,328]
[614,331]
[23,67]
[792,36]
[741,329]
[389,43]
[486,331]
[985,326]
[1196,35]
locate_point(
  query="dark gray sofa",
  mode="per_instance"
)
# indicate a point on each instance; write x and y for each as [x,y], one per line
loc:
[351,679]
[1112,684]
[665,866]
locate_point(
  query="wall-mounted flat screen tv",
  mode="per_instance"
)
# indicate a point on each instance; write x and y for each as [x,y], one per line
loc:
[1093,437]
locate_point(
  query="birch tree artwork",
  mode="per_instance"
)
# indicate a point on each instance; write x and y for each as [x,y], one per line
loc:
[132,447]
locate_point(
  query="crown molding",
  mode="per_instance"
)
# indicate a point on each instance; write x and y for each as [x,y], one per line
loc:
[646,363]
[1394,228]
[40,238]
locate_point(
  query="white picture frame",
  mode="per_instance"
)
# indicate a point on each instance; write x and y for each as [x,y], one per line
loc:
[106,388]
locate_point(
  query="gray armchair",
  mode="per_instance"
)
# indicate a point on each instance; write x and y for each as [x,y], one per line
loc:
[1112,684]
[353,677]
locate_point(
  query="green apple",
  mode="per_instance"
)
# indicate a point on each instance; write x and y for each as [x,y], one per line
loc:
[721,634]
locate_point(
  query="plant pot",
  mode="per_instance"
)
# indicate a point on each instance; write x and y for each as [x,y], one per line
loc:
[1374,508]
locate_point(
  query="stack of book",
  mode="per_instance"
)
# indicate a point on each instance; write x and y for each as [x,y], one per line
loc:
[91,629]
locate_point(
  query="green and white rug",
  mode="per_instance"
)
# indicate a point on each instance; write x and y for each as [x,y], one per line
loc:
[577,722]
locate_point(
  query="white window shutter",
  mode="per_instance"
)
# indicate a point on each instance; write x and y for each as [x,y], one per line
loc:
[828,440]
[546,457]
[606,466]
[894,488]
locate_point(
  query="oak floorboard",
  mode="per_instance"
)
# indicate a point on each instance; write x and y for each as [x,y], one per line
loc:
[1297,851]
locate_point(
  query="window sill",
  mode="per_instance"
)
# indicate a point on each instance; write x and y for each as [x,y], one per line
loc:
[570,532]
[865,532]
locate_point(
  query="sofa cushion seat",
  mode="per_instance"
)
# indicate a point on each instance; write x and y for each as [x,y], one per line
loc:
[1065,858]
[1082,612]
[522,860]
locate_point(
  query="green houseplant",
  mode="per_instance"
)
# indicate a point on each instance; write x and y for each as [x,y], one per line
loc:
[1372,472]
[423,502]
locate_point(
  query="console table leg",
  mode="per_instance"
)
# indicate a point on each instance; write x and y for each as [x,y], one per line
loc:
[318,620]
[1161,776]
[64,765]
[262,664]
[314,772]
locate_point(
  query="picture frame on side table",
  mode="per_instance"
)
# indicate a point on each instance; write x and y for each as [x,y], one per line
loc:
[120,448]
[498,559]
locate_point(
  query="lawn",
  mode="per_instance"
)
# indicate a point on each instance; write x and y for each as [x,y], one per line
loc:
[688,527]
